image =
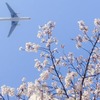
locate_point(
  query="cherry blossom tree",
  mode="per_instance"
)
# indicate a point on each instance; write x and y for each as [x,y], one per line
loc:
[64,76]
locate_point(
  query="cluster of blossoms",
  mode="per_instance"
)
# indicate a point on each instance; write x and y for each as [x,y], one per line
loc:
[85,37]
[45,34]
[66,76]
[32,91]
[97,22]
[40,65]
[32,47]
[46,29]
[69,77]
[82,26]
[6,90]
[79,39]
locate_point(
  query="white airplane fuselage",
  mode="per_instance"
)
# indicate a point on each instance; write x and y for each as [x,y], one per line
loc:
[14,18]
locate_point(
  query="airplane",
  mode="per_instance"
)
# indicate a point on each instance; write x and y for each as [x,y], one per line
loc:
[14,19]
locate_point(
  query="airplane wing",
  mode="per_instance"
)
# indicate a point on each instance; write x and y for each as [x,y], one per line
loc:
[13,14]
[14,24]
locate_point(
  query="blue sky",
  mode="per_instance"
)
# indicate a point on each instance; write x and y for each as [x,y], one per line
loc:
[15,64]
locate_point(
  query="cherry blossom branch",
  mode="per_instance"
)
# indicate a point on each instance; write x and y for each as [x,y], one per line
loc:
[7,96]
[93,75]
[84,76]
[2,96]
[52,59]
